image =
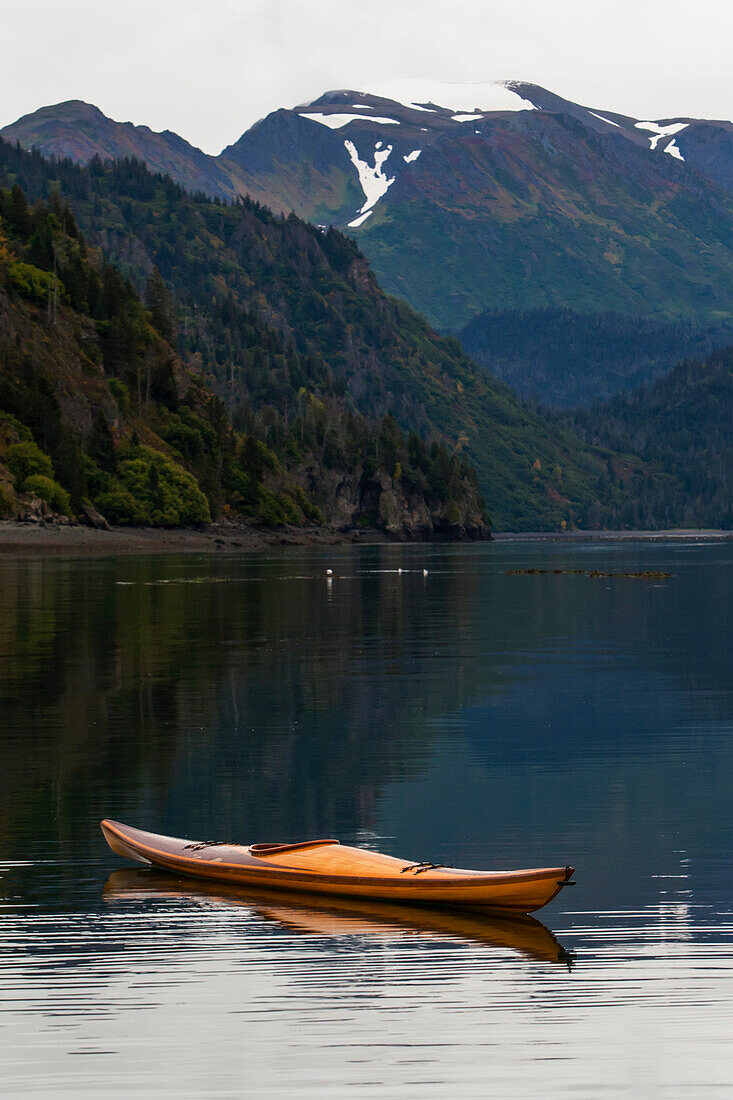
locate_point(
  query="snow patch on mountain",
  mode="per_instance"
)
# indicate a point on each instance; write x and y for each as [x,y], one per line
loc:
[660,131]
[336,121]
[603,119]
[454,97]
[374,182]
[360,220]
[465,118]
[673,150]
[408,159]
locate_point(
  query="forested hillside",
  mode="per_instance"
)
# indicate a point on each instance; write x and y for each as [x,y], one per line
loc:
[98,412]
[560,358]
[682,427]
[276,312]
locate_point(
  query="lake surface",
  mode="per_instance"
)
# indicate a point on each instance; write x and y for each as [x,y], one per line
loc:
[466,716]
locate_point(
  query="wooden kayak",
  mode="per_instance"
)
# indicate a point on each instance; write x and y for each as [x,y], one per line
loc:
[328,867]
[328,915]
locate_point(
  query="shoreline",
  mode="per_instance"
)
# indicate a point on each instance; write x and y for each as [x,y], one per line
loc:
[51,539]
[672,534]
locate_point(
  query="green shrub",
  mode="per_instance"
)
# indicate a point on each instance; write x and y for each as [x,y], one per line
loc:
[242,488]
[47,489]
[167,495]
[29,281]
[202,426]
[119,506]
[276,509]
[290,509]
[13,427]
[310,510]
[186,439]
[96,480]
[27,458]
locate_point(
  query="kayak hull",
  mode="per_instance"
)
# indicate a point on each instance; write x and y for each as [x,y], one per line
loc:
[327,867]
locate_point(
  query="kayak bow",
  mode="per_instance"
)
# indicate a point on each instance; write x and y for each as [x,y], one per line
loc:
[328,867]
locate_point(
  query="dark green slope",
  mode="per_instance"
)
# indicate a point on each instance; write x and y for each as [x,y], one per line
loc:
[538,210]
[97,409]
[272,309]
[562,358]
[682,426]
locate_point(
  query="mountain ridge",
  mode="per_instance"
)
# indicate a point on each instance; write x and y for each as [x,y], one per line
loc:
[44,128]
[540,203]
[81,131]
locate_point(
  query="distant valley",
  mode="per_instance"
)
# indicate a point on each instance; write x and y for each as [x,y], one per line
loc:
[560,358]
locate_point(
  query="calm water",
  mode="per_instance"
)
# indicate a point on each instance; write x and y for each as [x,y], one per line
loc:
[466,716]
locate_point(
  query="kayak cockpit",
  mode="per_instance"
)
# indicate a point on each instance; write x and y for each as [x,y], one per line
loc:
[264,850]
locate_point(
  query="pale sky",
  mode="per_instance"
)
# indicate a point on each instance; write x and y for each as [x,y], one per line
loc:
[208,70]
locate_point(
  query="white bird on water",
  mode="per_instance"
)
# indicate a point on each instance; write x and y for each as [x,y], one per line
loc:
[424,572]
[329,572]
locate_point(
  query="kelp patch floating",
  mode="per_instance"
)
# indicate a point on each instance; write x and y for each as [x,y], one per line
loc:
[647,575]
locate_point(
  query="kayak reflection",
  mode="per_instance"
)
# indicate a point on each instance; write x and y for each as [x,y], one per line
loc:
[333,916]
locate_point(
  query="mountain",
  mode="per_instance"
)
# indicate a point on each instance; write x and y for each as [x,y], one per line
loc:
[682,427]
[81,131]
[99,416]
[276,313]
[561,358]
[529,203]
[468,197]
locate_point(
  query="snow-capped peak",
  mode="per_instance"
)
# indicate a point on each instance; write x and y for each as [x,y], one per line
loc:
[458,98]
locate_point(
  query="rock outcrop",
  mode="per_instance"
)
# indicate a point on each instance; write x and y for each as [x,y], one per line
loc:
[375,499]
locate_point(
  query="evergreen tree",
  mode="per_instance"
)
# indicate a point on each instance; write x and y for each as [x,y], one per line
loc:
[160,303]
